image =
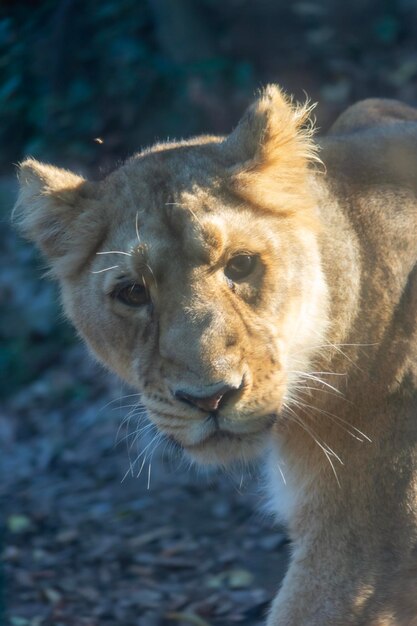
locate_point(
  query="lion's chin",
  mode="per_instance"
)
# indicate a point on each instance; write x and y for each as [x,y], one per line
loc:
[223,448]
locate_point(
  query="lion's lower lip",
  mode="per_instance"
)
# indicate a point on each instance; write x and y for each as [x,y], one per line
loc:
[219,434]
[216,436]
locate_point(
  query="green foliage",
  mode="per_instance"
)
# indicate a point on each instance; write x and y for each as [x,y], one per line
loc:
[133,71]
[74,71]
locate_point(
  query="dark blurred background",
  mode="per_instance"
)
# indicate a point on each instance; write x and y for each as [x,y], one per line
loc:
[131,71]
[83,84]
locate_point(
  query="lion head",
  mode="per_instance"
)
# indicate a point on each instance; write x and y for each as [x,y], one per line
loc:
[193,271]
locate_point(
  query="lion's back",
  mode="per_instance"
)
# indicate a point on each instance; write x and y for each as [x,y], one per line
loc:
[374,142]
[372,113]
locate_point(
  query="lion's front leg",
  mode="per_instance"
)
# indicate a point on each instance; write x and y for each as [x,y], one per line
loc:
[310,597]
[331,587]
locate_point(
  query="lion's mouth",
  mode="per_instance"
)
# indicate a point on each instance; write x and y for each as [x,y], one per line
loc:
[222,443]
[214,438]
[222,435]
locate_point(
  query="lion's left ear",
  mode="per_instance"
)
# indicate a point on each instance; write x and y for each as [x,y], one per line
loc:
[271,148]
[53,209]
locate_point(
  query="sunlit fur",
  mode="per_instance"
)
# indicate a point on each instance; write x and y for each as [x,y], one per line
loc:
[320,337]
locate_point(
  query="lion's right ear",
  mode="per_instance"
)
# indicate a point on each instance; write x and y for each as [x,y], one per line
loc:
[270,153]
[54,209]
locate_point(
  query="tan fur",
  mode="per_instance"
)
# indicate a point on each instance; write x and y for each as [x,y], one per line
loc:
[323,332]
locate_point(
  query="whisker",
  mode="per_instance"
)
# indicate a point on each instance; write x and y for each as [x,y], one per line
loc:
[157,444]
[136,434]
[149,476]
[141,454]
[319,380]
[195,217]
[106,269]
[336,418]
[141,467]
[139,433]
[157,438]
[137,227]
[138,406]
[335,346]
[307,388]
[302,406]
[152,274]
[188,208]
[130,414]
[340,351]
[328,452]
[115,252]
[124,422]
[282,474]
[329,373]
[130,395]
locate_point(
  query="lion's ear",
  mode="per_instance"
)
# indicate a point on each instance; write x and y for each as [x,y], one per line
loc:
[272,147]
[51,210]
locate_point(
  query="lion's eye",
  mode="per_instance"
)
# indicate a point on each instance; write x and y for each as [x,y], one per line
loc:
[240,267]
[132,294]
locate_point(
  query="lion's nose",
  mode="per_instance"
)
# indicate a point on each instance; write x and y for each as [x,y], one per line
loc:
[206,403]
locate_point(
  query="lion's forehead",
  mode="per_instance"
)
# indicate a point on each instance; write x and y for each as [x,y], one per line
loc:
[188,238]
[190,241]
[176,225]
[165,246]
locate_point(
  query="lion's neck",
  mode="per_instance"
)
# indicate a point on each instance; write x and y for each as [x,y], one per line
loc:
[344,426]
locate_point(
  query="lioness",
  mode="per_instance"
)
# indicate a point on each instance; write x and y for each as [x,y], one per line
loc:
[264,303]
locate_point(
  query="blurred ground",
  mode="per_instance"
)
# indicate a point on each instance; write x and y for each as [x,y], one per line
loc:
[80,546]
